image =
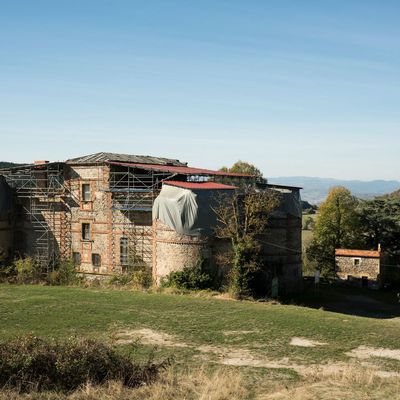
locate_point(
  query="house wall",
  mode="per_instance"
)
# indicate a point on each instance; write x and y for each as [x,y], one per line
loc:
[369,267]
[172,251]
[281,246]
[282,252]
[6,239]
[6,222]
[96,212]
[107,226]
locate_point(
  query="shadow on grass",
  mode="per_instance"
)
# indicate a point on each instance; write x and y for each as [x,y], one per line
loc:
[348,300]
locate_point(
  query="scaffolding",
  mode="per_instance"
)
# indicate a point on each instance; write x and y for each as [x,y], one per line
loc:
[40,191]
[133,191]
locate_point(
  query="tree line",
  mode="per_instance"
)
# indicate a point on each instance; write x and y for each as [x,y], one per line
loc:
[345,221]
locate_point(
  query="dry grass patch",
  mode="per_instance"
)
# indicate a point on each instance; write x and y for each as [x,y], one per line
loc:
[303,342]
[148,337]
[196,384]
[354,382]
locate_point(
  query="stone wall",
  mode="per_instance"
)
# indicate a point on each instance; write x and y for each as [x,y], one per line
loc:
[282,252]
[6,240]
[281,247]
[369,267]
[172,251]
[96,212]
[107,226]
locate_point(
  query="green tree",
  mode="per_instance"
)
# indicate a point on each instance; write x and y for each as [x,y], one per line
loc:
[243,167]
[337,226]
[243,217]
[380,224]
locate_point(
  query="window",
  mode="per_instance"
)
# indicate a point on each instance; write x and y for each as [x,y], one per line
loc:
[76,258]
[123,251]
[86,192]
[96,259]
[356,262]
[85,231]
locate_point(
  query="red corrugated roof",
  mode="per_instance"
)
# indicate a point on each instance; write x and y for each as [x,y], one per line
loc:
[179,170]
[358,253]
[200,185]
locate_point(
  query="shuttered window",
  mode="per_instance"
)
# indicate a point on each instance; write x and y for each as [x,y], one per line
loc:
[123,250]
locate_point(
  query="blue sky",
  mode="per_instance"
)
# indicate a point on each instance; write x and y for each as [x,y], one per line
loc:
[295,87]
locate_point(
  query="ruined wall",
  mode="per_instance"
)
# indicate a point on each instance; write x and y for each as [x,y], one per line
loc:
[6,239]
[6,221]
[172,251]
[96,212]
[282,252]
[107,226]
[369,267]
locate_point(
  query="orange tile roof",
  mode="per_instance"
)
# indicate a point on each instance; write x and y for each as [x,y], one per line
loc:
[358,253]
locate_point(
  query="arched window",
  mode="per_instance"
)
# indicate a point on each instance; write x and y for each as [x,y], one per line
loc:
[123,251]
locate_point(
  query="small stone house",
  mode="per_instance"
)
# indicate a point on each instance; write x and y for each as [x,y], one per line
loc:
[361,267]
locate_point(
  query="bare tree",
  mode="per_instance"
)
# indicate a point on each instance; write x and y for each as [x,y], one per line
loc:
[242,217]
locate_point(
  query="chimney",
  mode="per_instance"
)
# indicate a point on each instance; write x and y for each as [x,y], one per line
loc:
[379,248]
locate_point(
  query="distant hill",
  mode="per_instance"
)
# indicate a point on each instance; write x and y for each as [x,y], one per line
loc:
[6,164]
[315,190]
[395,195]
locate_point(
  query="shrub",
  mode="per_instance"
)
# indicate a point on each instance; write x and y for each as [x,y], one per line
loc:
[27,270]
[142,277]
[29,363]
[139,278]
[196,277]
[64,274]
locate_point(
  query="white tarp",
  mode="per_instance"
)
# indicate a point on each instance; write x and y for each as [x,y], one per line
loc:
[187,211]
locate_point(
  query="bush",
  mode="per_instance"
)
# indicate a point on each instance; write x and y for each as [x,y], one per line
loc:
[196,277]
[27,270]
[32,364]
[64,274]
[139,278]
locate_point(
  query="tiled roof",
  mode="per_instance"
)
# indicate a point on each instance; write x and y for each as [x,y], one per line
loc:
[128,158]
[200,185]
[358,253]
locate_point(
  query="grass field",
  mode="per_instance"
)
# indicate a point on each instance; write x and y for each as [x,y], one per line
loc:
[275,349]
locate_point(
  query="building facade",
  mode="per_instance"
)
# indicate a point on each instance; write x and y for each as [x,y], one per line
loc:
[361,267]
[97,210]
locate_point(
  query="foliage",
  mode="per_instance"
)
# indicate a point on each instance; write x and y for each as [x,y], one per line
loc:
[27,270]
[242,218]
[243,167]
[308,223]
[29,363]
[380,221]
[6,164]
[337,226]
[393,196]
[308,208]
[64,274]
[195,277]
[139,277]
